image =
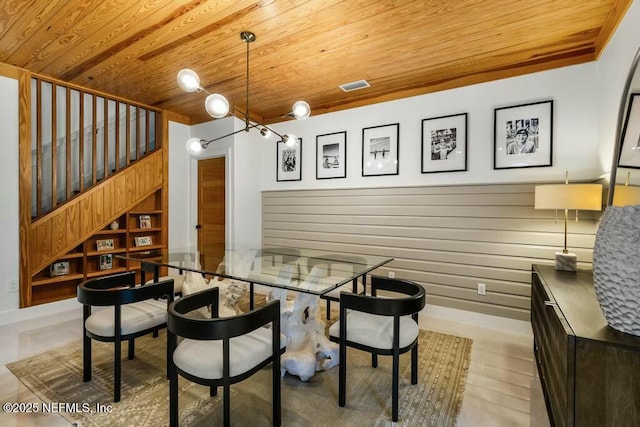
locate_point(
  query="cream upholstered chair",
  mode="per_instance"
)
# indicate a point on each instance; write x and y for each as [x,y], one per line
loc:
[130,312]
[222,351]
[380,326]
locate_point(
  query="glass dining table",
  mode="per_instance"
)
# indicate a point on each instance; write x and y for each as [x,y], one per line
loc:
[310,273]
[294,269]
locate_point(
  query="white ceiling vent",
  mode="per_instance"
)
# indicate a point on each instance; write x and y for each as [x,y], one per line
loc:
[360,84]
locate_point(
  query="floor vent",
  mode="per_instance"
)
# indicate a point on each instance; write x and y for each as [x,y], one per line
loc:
[360,84]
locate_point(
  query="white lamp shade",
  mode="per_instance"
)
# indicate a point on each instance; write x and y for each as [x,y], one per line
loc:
[194,146]
[569,196]
[301,110]
[626,195]
[216,105]
[290,140]
[188,80]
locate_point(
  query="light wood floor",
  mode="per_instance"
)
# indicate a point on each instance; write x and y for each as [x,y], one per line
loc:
[502,385]
[503,388]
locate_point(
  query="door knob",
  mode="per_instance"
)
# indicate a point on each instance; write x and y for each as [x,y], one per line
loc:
[198,226]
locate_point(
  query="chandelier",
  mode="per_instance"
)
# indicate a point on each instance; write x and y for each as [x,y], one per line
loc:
[218,107]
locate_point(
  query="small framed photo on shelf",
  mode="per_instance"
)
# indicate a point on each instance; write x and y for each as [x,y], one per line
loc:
[106,262]
[289,161]
[145,221]
[59,269]
[331,155]
[104,244]
[444,144]
[523,136]
[143,241]
[380,150]
[630,149]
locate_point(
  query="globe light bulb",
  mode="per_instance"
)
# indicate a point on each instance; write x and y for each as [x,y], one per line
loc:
[194,146]
[301,110]
[216,105]
[290,140]
[188,80]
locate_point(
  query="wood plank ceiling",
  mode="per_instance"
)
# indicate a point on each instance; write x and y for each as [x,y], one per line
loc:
[304,48]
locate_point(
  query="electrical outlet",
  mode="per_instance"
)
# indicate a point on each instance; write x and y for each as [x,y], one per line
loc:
[13,286]
[482,289]
[391,275]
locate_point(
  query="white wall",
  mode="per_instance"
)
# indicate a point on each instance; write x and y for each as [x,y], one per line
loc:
[575,133]
[247,199]
[242,178]
[179,190]
[9,208]
[613,66]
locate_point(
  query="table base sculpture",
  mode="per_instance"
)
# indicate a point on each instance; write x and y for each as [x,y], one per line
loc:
[308,348]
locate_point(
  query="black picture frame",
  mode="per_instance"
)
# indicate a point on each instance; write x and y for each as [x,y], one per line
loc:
[331,155]
[444,144]
[533,120]
[380,150]
[630,147]
[289,161]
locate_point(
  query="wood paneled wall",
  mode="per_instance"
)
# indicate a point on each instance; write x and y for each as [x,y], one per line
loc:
[448,238]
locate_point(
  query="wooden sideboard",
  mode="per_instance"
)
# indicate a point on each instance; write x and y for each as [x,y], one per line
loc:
[590,373]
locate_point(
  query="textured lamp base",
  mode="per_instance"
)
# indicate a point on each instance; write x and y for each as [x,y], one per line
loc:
[566,262]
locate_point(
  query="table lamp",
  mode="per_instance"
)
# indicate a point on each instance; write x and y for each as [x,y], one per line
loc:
[626,195]
[568,196]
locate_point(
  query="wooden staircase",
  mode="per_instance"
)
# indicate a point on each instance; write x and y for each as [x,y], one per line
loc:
[108,162]
[61,230]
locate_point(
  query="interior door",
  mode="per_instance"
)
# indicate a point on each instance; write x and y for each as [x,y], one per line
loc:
[211,209]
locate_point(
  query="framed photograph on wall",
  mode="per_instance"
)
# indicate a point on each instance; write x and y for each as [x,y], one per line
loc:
[444,144]
[289,161]
[331,155]
[630,149]
[523,136]
[380,150]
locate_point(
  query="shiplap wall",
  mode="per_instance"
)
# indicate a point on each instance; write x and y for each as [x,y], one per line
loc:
[448,238]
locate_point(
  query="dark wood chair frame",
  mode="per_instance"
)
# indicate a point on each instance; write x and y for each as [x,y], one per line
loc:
[179,325]
[396,307]
[117,290]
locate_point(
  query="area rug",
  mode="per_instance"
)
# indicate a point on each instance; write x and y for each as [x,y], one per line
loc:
[56,376]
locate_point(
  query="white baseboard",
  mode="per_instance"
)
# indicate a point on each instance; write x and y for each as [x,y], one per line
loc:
[70,307]
[479,319]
